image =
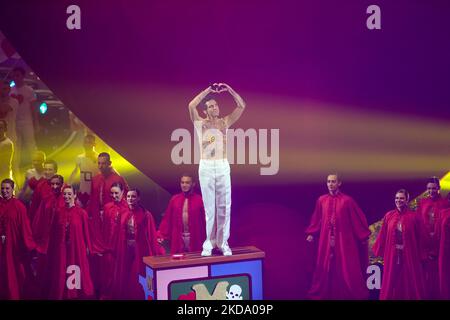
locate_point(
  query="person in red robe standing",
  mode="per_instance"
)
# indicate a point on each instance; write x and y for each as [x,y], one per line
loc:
[41,228]
[41,188]
[136,239]
[429,210]
[113,211]
[100,195]
[400,244]
[46,211]
[15,240]
[444,256]
[68,252]
[341,230]
[184,223]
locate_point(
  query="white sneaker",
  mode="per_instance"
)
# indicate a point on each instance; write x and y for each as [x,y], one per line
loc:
[227,251]
[206,253]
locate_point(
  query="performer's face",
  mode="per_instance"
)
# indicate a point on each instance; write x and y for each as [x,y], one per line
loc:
[116,194]
[401,201]
[104,165]
[432,189]
[333,183]
[7,191]
[56,185]
[186,184]
[212,108]
[69,196]
[49,170]
[132,198]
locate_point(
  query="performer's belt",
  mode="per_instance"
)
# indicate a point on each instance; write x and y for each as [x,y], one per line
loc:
[399,246]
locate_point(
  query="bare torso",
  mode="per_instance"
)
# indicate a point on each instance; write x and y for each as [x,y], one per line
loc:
[213,139]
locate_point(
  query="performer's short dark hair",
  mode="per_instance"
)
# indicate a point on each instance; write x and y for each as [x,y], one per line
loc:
[71,186]
[208,97]
[9,181]
[59,177]
[405,192]
[434,180]
[105,155]
[185,174]
[118,185]
[135,190]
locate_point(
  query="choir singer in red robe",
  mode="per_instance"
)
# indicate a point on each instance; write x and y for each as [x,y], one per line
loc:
[400,244]
[41,188]
[113,212]
[41,228]
[184,223]
[429,210]
[44,215]
[100,195]
[444,256]
[136,239]
[15,241]
[68,252]
[340,228]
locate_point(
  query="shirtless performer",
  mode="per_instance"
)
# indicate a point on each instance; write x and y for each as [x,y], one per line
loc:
[214,169]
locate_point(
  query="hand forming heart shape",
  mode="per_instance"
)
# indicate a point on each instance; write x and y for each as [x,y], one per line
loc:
[219,87]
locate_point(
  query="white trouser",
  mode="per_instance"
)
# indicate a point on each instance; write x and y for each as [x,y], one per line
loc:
[215,183]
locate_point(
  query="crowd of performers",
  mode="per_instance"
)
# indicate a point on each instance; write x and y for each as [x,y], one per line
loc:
[414,246]
[88,241]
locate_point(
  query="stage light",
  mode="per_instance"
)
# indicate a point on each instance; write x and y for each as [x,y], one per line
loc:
[43,108]
[12,84]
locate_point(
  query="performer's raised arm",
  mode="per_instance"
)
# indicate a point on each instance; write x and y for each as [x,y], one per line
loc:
[236,114]
[193,112]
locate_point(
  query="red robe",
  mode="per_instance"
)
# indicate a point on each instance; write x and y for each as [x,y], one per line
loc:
[429,211]
[100,195]
[444,256]
[41,189]
[15,240]
[69,245]
[340,272]
[110,228]
[402,273]
[43,220]
[136,239]
[171,226]
[41,228]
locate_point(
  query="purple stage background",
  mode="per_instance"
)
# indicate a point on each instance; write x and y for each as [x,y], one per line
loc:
[131,70]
